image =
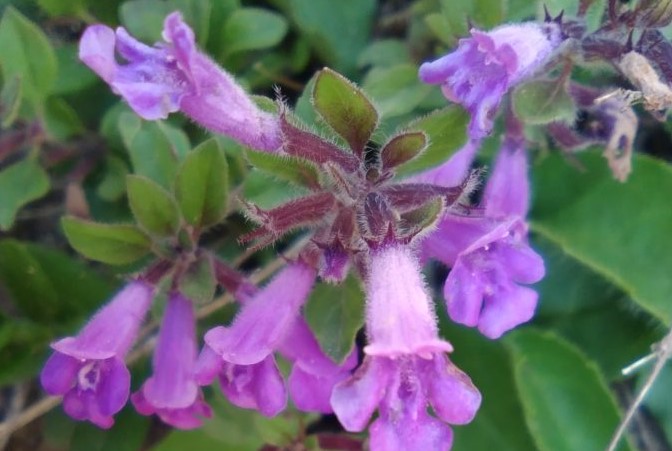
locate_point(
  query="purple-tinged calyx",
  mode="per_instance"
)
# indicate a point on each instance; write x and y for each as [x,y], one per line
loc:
[175,76]
[405,370]
[172,392]
[89,370]
[486,65]
[489,255]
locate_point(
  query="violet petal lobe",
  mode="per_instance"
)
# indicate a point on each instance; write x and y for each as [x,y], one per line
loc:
[410,434]
[264,321]
[258,386]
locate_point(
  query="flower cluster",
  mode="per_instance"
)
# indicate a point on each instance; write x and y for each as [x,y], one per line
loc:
[361,217]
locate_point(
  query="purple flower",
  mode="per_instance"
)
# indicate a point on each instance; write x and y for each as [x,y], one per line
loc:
[486,65]
[242,354]
[489,255]
[174,76]
[453,171]
[88,370]
[405,370]
[172,392]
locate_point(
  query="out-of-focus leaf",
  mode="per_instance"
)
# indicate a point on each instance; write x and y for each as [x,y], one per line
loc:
[10,101]
[439,25]
[499,423]
[252,29]
[202,184]
[47,285]
[128,434]
[153,207]
[232,428]
[73,76]
[113,185]
[152,152]
[286,167]
[20,183]
[144,18]
[591,312]
[198,283]
[395,89]
[384,53]
[543,101]
[61,120]
[447,133]
[115,244]
[566,401]
[28,54]
[484,14]
[335,313]
[61,8]
[345,108]
[338,31]
[619,230]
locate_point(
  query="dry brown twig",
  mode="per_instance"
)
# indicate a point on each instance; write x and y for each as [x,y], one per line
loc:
[662,352]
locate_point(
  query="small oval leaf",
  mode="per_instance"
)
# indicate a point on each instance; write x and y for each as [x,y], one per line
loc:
[202,184]
[402,148]
[153,207]
[115,244]
[345,108]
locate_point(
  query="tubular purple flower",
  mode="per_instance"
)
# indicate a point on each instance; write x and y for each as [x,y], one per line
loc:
[405,370]
[242,354]
[490,256]
[172,392]
[89,370]
[486,65]
[452,172]
[175,76]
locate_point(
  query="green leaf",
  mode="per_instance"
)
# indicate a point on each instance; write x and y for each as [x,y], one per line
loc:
[153,207]
[27,54]
[73,76]
[128,434]
[20,183]
[567,404]
[446,130]
[61,120]
[384,53]
[113,185]
[115,244]
[286,167]
[337,31]
[485,14]
[402,148]
[396,89]
[152,152]
[543,101]
[499,424]
[57,8]
[601,223]
[252,29]
[46,285]
[335,313]
[198,283]
[144,18]
[202,183]
[439,25]
[10,101]
[345,108]
[591,312]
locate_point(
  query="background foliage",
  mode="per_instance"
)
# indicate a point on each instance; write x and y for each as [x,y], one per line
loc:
[67,145]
